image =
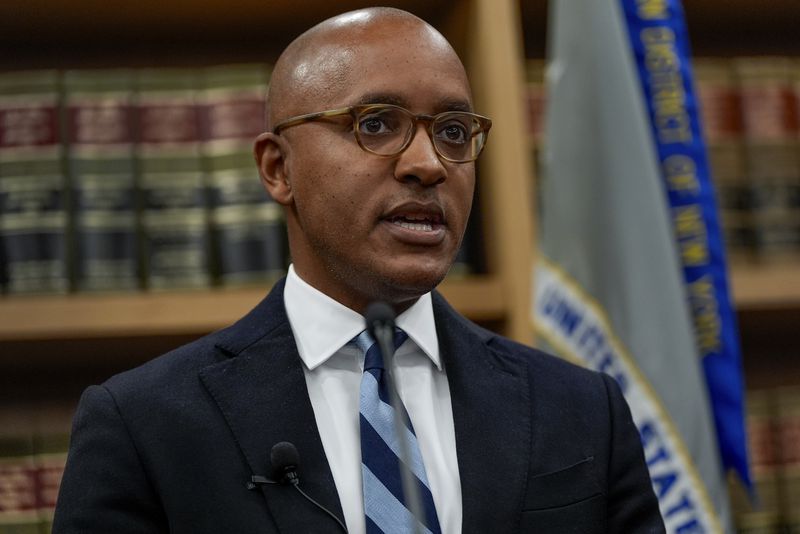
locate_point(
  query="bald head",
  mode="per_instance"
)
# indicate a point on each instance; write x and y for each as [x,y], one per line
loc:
[320,64]
[347,208]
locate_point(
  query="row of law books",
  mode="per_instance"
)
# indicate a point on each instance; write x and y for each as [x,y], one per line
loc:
[125,179]
[140,179]
[773,429]
[750,115]
[34,441]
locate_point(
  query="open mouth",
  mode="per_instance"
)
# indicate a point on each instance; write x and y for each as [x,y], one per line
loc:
[419,223]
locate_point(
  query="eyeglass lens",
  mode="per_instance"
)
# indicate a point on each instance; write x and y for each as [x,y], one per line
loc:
[386,131]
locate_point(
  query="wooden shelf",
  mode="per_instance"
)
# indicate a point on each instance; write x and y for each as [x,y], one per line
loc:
[766,286]
[755,287]
[179,15]
[156,314]
[95,33]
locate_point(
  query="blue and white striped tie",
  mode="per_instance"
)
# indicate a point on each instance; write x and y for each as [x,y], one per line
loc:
[384,504]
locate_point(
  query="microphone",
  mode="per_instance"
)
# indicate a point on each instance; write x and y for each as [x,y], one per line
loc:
[285,461]
[285,458]
[380,322]
[379,317]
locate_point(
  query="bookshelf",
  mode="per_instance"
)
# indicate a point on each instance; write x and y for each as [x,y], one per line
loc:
[488,35]
[84,33]
[53,346]
[767,286]
[90,33]
[755,288]
[87,316]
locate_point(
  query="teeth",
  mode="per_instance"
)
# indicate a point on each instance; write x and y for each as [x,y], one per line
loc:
[420,227]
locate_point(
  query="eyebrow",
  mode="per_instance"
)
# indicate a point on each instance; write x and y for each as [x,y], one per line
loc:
[381,98]
[390,98]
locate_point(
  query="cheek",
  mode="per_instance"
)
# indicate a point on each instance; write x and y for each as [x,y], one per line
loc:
[334,179]
[330,200]
[462,196]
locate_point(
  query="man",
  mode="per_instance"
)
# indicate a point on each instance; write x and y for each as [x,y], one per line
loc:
[370,150]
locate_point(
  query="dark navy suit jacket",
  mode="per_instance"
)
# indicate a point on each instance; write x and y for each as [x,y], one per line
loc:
[542,445]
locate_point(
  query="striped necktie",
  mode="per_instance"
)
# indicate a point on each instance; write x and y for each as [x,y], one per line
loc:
[384,506]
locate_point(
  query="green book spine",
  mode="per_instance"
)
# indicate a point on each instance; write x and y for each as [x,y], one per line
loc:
[761,514]
[101,168]
[18,475]
[770,120]
[788,431]
[50,447]
[173,196]
[33,201]
[247,227]
[722,124]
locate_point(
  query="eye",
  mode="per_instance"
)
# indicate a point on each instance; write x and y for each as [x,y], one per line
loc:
[453,131]
[377,124]
[371,125]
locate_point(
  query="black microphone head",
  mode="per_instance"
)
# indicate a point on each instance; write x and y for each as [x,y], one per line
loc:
[284,458]
[378,314]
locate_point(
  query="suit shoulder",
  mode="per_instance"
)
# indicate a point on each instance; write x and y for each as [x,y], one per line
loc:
[511,355]
[539,361]
[170,370]
[184,362]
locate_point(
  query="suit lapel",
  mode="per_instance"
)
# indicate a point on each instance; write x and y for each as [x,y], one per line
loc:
[491,414]
[261,391]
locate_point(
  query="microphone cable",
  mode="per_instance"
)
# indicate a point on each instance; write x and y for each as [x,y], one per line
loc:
[285,460]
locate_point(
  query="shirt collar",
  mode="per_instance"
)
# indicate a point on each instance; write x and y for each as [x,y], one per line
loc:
[321,325]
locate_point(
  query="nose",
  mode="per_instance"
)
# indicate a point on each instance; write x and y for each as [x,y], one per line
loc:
[420,162]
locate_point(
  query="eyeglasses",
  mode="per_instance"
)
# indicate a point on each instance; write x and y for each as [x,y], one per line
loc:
[387,130]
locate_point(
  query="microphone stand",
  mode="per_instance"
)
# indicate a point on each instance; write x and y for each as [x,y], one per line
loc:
[384,335]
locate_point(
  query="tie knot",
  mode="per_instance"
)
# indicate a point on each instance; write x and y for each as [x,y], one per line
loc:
[372,354]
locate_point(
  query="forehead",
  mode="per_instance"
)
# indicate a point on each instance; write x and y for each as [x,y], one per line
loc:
[405,63]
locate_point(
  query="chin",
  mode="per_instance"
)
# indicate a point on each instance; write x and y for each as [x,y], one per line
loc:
[415,280]
[395,279]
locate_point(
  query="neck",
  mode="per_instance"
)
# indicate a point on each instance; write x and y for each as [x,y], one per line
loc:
[354,299]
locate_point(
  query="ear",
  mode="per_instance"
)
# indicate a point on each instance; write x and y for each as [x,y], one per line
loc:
[270,151]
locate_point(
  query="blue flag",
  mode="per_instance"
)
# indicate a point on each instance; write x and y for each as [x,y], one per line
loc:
[631,279]
[659,40]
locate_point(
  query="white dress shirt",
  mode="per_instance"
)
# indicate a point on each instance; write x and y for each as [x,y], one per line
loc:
[322,327]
